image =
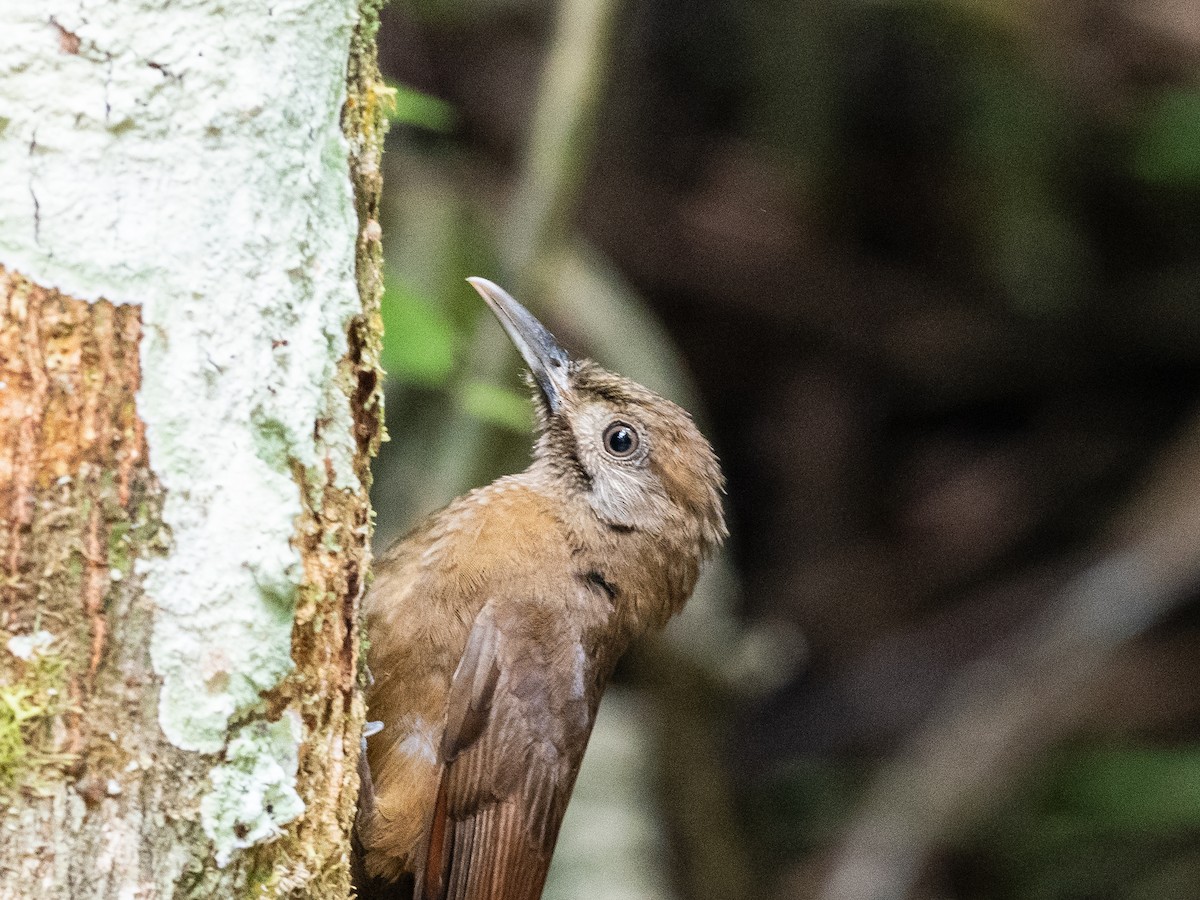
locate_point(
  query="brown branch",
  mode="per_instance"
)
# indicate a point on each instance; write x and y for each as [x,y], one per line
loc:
[560,142]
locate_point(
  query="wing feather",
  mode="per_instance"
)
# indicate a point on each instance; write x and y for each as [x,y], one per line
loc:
[515,732]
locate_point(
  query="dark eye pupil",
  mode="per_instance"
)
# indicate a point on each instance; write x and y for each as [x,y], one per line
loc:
[620,439]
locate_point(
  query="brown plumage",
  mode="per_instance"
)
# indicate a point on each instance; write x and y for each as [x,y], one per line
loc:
[495,625]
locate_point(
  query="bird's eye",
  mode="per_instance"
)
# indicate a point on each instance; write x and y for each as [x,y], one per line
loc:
[620,439]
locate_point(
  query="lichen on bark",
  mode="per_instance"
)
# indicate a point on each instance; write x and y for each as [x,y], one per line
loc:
[98,802]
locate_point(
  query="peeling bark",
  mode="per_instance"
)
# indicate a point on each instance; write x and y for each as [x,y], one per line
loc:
[88,783]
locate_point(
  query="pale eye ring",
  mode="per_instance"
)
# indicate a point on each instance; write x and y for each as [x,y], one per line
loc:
[621,440]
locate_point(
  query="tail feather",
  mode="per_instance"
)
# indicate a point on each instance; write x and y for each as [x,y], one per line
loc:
[489,856]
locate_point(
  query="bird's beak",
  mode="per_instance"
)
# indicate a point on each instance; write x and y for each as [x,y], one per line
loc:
[541,352]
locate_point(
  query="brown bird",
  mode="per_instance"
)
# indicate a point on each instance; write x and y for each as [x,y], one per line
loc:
[494,627]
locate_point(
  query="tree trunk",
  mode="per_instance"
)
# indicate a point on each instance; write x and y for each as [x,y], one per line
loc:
[189,329]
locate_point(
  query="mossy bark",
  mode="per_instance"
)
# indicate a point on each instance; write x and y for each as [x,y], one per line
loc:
[94,801]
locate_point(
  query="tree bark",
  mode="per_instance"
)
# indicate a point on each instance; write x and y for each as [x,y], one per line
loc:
[189,397]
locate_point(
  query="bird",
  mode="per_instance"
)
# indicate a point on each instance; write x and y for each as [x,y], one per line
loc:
[494,626]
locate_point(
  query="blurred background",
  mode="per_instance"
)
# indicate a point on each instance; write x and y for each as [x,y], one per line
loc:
[928,274]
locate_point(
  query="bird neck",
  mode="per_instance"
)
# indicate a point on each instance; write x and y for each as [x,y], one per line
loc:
[648,574]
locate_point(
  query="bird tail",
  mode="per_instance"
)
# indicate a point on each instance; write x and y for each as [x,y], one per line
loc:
[486,856]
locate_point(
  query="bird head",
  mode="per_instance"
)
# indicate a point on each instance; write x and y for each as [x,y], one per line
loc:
[639,459]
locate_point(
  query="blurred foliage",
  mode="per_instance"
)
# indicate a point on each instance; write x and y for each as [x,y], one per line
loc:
[1100,821]
[437,406]
[1092,821]
[1167,150]
[499,406]
[1137,789]
[1017,138]
[1017,175]
[421,340]
[802,806]
[413,107]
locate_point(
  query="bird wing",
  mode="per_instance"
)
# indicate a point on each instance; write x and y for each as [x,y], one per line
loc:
[517,724]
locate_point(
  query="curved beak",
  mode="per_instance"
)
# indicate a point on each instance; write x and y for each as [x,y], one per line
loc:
[547,361]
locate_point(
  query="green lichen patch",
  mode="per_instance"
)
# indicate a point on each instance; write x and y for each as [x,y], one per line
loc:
[33,694]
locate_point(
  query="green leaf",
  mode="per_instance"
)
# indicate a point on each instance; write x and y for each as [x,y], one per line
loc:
[498,406]
[1136,788]
[412,107]
[1168,148]
[418,339]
